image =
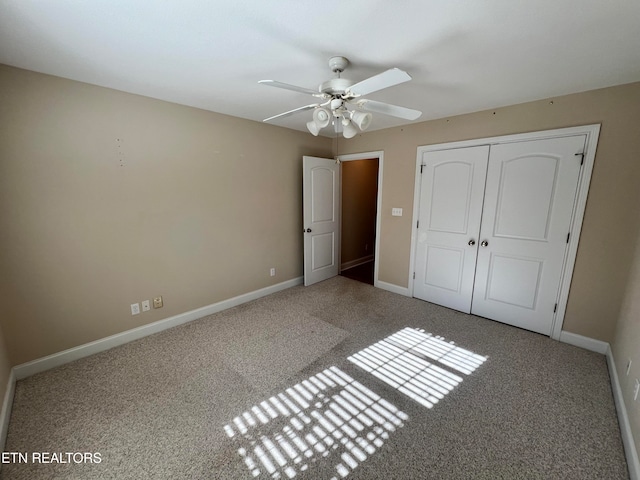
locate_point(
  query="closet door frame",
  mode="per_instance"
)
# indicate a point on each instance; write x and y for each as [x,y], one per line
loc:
[592,133]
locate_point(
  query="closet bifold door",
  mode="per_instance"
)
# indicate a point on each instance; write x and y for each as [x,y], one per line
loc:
[529,201]
[451,196]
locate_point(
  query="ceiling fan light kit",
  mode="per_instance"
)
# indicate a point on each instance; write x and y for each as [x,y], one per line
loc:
[338,94]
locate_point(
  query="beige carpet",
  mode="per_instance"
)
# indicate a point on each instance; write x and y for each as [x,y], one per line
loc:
[337,380]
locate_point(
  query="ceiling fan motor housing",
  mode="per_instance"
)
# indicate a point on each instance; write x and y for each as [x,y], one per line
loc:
[335,86]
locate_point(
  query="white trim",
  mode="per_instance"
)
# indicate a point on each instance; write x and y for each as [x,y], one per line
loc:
[45,363]
[592,133]
[394,288]
[623,419]
[366,156]
[414,221]
[5,415]
[587,343]
[355,263]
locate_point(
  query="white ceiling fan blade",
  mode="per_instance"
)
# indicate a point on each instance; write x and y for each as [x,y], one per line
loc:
[291,112]
[286,86]
[391,77]
[388,109]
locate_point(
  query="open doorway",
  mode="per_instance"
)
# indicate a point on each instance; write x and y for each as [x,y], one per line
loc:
[359,218]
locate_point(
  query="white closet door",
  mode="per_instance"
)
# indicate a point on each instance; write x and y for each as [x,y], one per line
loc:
[321,216]
[450,209]
[529,199]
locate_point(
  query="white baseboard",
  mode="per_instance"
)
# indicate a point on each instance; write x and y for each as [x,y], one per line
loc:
[623,419]
[45,363]
[5,414]
[584,342]
[393,288]
[356,262]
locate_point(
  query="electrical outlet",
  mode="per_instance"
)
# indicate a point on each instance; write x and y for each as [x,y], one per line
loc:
[272,272]
[145,306]
[135,308]
[628,366]
[157,302]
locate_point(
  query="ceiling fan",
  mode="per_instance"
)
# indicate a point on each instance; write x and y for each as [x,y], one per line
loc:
[341,101]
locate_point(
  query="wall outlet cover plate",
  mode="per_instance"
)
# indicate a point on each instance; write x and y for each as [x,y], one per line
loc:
[157,302]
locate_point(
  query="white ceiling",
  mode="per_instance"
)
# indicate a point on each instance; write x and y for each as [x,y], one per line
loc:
[464,55]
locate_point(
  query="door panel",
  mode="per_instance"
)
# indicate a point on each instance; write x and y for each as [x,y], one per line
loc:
[526,181]
[322,246]
[451,193]
[322,190]
[321,187]
[529,199]
[444,267]
[501,287]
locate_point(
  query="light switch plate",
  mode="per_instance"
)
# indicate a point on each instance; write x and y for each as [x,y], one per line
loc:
[145,306]
[396,212]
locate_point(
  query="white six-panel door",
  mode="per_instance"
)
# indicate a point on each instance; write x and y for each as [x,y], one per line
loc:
[321,218]
[450,210]
[519,221]
[529,199]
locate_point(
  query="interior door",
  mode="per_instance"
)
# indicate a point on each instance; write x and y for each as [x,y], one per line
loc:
[529,199]
[321,212]
[451,194]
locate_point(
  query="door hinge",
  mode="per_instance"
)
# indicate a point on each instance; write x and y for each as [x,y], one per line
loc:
[418,224]
[581,157]
[568,235]
[414,275]
[555,308]
[421,167]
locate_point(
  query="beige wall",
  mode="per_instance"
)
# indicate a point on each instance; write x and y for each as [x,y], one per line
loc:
[108,199]
[611,222]
[359,196]
[626,344]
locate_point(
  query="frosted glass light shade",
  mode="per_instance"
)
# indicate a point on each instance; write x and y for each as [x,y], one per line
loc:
[349,130]
[313,128]
[321,117]
[362,120]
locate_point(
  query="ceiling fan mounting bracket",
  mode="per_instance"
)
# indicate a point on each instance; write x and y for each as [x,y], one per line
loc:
[338,64]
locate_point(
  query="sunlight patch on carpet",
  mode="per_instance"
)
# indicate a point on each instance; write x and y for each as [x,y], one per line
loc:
[400,361]
[329,417]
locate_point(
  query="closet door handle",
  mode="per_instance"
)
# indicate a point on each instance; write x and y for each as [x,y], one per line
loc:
[472,242]
[484,243]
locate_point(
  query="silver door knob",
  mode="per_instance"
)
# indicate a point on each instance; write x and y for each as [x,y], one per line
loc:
[472,242]
[308,230]
[484,243]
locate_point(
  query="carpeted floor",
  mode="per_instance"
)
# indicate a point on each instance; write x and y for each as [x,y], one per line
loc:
[337,380]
